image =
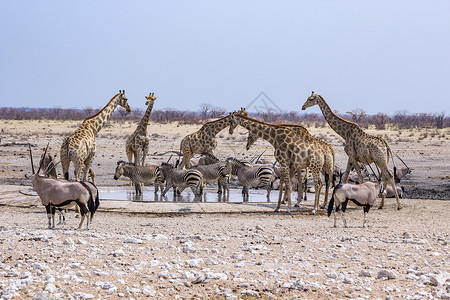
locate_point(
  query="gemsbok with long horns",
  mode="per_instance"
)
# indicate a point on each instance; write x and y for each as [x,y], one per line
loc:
[60,193]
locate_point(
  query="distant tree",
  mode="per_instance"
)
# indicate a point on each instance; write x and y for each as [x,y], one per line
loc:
[216,112]
[357,115]
[204,109]
[440,120]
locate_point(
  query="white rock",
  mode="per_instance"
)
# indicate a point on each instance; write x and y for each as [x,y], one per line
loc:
[25,275]
[133,241]
[99,273]
[386,274]
[194,263]
[81,295]
[437,279]
[364,273]
[38,266]
[251,293]
[218,276]
[148,291]
[74,265]
[348,280]
[154,263]
[69,241]
[118,252]
[332,275]
[50,287]
[187,275]
[82,242]
[201,278]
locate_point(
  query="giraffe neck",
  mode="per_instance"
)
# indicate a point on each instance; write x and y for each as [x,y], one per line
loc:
[97,121]
[142,127]
[214,127]
[260,129]
[339,125]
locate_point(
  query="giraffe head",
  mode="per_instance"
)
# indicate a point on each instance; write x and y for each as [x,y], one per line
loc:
[251,139]
[232,119]
[311,101]
[150,97]
[123,100]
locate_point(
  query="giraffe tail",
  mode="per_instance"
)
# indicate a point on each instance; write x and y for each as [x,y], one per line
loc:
[389,152]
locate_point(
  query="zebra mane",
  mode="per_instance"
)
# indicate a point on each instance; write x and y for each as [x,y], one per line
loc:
[166,164]
[236,161]
[122,162]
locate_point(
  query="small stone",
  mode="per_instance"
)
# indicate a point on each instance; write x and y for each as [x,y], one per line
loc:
[148,291]
[386,274]
[364,273]
[133,241]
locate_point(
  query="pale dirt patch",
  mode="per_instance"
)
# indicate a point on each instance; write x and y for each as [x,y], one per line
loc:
[229,254]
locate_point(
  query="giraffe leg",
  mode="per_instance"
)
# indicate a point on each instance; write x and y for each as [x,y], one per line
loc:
[317,186]
[328,181]
[87,166]
[65,168]
[129,152]
[280,193]
[388,177]
[78,167]
[288,193]
[347,171]
[299,187]
[139,158]
[357,169]
[145,150]
[185,162]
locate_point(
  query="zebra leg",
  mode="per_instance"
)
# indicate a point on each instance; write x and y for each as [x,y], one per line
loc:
[168,186]
[137,187]
[268,188]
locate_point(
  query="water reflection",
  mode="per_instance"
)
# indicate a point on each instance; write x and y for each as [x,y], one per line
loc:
[210,195]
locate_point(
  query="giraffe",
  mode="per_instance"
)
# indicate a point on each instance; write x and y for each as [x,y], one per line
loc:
[293,152]
[79,147]
[359,146]
[137,143]
[328,155]
[204,140]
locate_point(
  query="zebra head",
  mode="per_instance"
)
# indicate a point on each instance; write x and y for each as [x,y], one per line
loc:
[119,169]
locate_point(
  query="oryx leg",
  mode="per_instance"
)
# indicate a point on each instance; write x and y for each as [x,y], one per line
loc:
[84,214]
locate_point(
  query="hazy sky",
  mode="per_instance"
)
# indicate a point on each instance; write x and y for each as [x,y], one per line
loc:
[379,56]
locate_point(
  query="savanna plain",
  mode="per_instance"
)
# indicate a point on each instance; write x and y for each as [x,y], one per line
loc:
[212,250]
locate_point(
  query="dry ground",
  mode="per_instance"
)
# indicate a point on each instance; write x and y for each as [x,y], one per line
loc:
[216,255]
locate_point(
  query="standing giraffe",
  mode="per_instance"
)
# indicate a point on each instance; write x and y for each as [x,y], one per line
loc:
[79,147]
[291,151]
[204,140]
[137,143]
[328,155]
[359,146]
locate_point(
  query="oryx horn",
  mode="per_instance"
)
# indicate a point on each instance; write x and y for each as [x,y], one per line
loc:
[31,156]
[44,155]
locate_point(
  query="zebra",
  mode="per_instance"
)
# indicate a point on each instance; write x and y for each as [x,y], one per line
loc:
[140,174]
[251,176]
[219,171]
[181,179]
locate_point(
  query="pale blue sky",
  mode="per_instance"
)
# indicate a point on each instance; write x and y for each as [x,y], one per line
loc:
[379,56]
